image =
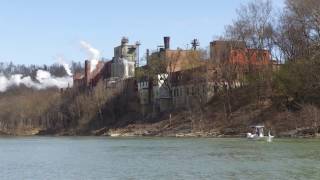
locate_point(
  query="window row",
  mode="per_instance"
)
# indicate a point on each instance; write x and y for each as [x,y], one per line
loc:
[193,90]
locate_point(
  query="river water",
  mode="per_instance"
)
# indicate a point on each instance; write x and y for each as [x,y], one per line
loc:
[157,158]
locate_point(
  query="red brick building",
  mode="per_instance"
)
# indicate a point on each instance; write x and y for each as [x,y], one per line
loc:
[236,52]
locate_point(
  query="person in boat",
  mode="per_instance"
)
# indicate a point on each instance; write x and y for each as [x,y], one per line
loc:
[255,131]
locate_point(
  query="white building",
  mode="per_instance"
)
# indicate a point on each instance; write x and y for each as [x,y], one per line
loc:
[122,68]
[125,59]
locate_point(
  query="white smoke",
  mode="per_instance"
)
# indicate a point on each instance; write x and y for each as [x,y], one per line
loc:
[94,54]
[65,65]
[44,80]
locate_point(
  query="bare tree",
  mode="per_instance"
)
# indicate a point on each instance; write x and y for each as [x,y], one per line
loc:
[298,31]
[196,76]
[254,27]
[298,38]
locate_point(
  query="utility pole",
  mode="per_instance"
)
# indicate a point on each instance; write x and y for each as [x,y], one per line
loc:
[195,43]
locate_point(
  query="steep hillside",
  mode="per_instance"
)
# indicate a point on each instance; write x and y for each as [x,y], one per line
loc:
[214,121]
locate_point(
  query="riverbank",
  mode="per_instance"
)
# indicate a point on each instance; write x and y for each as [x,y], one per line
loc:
[143,130]
[180,125]
[210,121]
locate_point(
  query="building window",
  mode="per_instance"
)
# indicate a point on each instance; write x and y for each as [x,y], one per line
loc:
[234,53]
[215,87]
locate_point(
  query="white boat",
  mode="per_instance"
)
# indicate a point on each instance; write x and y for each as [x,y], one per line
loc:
[115,134]
[258,134]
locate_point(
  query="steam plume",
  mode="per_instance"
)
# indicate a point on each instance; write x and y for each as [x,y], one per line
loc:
[93,53]
[65,65]
[44,80]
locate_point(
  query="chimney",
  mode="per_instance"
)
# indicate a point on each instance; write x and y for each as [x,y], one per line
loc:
[87,72]
[147,55]
[166,40]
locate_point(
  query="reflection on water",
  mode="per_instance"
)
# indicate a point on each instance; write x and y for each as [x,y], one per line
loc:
[157,158]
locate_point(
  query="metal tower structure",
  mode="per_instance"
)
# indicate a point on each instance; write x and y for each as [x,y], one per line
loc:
[195,43]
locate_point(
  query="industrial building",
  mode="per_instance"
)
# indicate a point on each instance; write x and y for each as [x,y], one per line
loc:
[180,83]
[122,66]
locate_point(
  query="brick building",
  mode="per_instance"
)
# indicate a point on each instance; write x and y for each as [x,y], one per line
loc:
[182,79]
[236,52]
[186,79]
[195,83]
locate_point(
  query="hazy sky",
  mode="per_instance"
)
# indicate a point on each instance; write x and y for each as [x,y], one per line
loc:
[39,31]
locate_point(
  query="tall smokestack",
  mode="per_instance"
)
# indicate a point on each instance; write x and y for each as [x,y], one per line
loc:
[147,55]
[166,40]
[87,72]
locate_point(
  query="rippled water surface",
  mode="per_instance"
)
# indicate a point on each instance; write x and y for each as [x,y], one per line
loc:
[157,158]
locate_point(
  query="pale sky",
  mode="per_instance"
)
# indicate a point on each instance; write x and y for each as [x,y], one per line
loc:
[39,31]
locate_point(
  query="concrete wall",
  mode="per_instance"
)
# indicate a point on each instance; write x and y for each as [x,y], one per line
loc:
[126,51]
[122,68]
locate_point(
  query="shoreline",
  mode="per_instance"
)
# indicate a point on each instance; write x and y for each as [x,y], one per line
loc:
[182,136]
[158,130]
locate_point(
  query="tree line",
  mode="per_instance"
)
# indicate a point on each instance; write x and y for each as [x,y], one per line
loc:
[56,69]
